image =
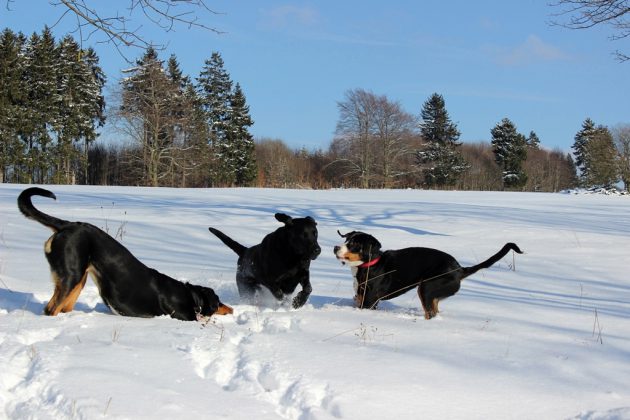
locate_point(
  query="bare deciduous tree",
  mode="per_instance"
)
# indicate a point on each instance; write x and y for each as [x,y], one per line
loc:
[124,27]
[371,138]
[584,14]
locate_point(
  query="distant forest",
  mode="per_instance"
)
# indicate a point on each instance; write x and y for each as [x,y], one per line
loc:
[178,131]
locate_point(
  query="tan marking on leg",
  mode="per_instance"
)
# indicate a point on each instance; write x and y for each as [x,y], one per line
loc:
[435,306]
[71,299]
[52,307]
[427,315]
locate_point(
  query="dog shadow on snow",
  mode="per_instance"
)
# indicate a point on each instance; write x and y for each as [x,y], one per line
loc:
[12,300]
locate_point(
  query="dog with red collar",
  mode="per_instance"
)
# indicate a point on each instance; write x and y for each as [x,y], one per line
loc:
[383,275]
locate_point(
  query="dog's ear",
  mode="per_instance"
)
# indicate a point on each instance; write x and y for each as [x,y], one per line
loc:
[310,219]
[283,218]
[372,248]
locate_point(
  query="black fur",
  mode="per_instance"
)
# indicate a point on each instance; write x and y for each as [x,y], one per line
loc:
[436,274]
[280,262]
[126,285]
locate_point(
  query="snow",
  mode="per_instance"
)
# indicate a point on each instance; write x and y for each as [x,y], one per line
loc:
[544,335]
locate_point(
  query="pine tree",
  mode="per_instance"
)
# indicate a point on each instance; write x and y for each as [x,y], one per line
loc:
[533,142]
[215,87]
[582,138]
[443,164]
[11,96]
[510,151]
[600,159]
[241,151]
[436,125]
[39,111]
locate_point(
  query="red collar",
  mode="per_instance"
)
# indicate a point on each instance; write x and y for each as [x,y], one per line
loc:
[370,263]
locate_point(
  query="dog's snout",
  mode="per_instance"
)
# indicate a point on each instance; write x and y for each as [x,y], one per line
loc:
[336,249]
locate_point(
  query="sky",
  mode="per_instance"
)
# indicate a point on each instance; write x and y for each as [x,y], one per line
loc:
[295,61]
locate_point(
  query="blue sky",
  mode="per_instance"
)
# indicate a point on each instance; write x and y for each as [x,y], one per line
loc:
[295,61]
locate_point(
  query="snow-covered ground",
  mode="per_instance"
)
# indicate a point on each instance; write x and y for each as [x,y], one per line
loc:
[544,335]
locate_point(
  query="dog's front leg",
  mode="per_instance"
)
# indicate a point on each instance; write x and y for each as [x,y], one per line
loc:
[300,299]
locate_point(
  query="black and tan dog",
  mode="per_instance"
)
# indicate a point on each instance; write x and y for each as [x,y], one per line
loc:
[383,275]
[280,262]
[126,285]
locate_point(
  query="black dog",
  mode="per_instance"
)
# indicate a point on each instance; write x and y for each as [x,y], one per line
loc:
[385,275]
[126,285]
[280,262]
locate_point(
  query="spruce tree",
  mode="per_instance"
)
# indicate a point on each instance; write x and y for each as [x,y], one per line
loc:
[442,163]
[11,97]
[582,139]
[215,88]
[510,151]
[600,159]
[39,105]
[533,142]
[242,149]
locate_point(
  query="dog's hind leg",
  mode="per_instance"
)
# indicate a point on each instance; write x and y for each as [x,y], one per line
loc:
[68,286]
[73,295]
[429,303]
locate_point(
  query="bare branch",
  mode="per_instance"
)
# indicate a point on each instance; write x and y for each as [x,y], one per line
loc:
[123,29]
[585,14]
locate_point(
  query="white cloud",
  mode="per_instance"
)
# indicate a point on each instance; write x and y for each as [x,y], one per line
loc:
[531,51]
[289,16]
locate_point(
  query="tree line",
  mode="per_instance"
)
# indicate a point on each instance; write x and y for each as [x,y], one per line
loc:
[185,132]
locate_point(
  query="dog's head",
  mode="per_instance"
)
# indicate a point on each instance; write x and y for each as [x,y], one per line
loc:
[357,249]
[301,234]
[207,302]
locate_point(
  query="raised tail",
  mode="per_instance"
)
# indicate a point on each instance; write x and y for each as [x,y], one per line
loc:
[493,259]
[26,207]
[234,246]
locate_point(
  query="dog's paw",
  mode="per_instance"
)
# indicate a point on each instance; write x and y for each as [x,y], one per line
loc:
[299,300]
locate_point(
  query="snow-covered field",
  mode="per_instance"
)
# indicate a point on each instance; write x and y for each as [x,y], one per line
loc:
[544,335]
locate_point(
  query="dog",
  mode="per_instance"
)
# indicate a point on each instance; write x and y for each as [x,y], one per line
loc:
[280,262]
[127,286]
[383,275]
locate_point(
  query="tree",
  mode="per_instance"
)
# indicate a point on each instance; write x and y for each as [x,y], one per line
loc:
[148,99]
[621,135]
[122,27]
[533,142]
[38,111]
[510,151]
[581,139]
[11,96]
[240,156]
[442,163]
[601,159]
[584,14]
[371,139]
[214,86]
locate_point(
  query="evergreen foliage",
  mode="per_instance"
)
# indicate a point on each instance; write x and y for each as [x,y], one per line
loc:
[510,151]
[51,103]
[442,164]
[227,116]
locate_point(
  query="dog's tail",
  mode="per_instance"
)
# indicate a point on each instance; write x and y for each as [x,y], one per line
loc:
[234,246]
[493,259]
[26,207]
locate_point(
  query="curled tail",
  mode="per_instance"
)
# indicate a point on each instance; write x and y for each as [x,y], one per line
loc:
[26,207]
[235,246]
[493,259]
